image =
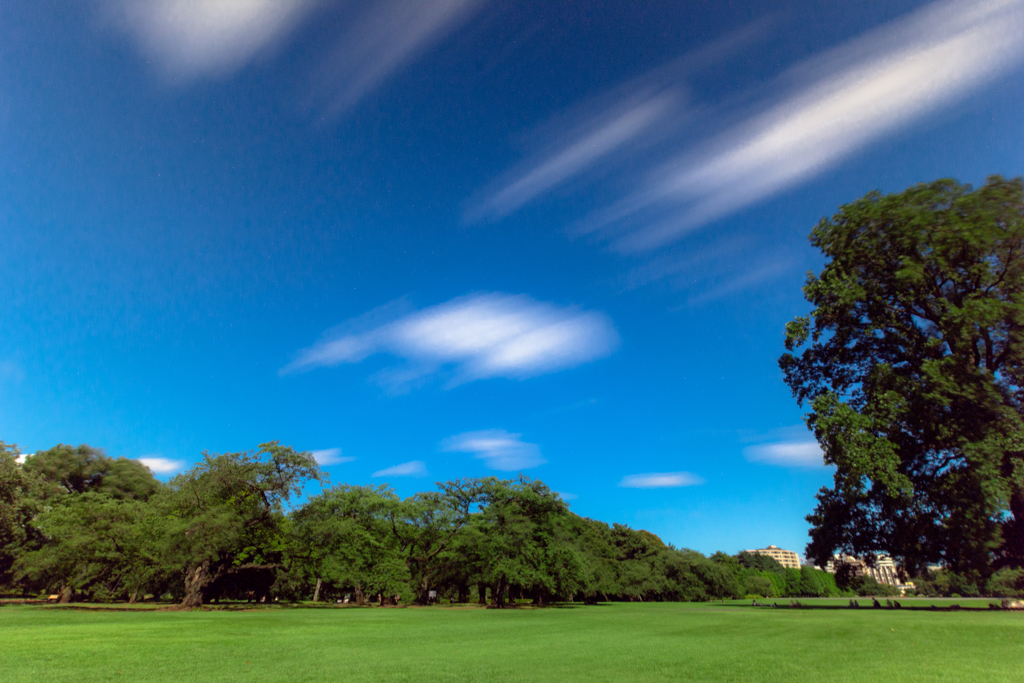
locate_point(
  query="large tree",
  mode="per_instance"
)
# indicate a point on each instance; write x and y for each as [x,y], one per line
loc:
[523,541]
[344,537]
[226,515]
[426,525]
[912,361]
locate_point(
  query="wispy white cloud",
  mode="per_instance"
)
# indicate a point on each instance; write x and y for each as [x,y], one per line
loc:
[632,116]
[372,40]
[415,468]
[193,38]
[330,456]
[787,454]
[383,39]
[475,337]
[660,480]
[703,166]
[604,134]
[846,99]
[159,465]
[756,273]
[21,458]
[499,449]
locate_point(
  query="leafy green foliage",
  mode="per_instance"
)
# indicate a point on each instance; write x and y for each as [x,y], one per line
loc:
[226,529]
[1007,583]
[912,362]
[17,508]
[227,512]
[522,541]
[344,537]
[99,546]
[944,583]
[760,562]
[865,585]
[426,525]
[84,469]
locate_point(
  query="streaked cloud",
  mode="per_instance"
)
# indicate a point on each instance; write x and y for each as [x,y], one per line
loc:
[499,449]
[159,465]
[599,137]
[710,267]
[692,170]
[415,468]
[601,132]
[753,274]
[660,480]
[330,456]
[384,38]
[469,338]
[194,38]
[842,101]
[367,42]
[803,453]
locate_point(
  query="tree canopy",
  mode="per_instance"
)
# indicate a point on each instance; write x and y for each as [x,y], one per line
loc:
[244,526]
[228,512]
[912,363]
[79,469]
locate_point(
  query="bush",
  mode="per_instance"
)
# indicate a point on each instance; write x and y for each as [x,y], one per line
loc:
[1007,583]
[760,586]
[962,586]
[865,585]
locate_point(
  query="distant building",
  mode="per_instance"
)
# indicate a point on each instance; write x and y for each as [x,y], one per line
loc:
[882,569]
[787,558]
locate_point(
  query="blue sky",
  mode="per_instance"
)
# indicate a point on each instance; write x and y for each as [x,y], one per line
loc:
[464,238]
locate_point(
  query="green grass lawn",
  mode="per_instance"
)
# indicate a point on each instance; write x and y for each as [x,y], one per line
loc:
[620,642]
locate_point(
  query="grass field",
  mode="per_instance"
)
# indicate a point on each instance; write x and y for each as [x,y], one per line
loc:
[619,642]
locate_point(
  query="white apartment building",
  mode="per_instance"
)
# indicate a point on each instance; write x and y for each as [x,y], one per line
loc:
[787,558]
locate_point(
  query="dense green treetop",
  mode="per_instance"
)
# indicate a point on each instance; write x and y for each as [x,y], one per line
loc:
[83,468]
[760,562]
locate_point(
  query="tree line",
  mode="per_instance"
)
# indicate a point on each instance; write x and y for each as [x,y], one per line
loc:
[79,524]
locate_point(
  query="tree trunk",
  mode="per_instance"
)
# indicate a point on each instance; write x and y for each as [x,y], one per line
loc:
[65,595]
[463,593]
[498,594]
[316,593]
[424,597]
[134,598]
[195,581]
[481,589]
[360,598]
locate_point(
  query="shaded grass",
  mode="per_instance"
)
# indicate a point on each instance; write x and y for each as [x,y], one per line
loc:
[643,642]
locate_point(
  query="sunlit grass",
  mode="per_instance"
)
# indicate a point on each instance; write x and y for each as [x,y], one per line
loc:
[707,642]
